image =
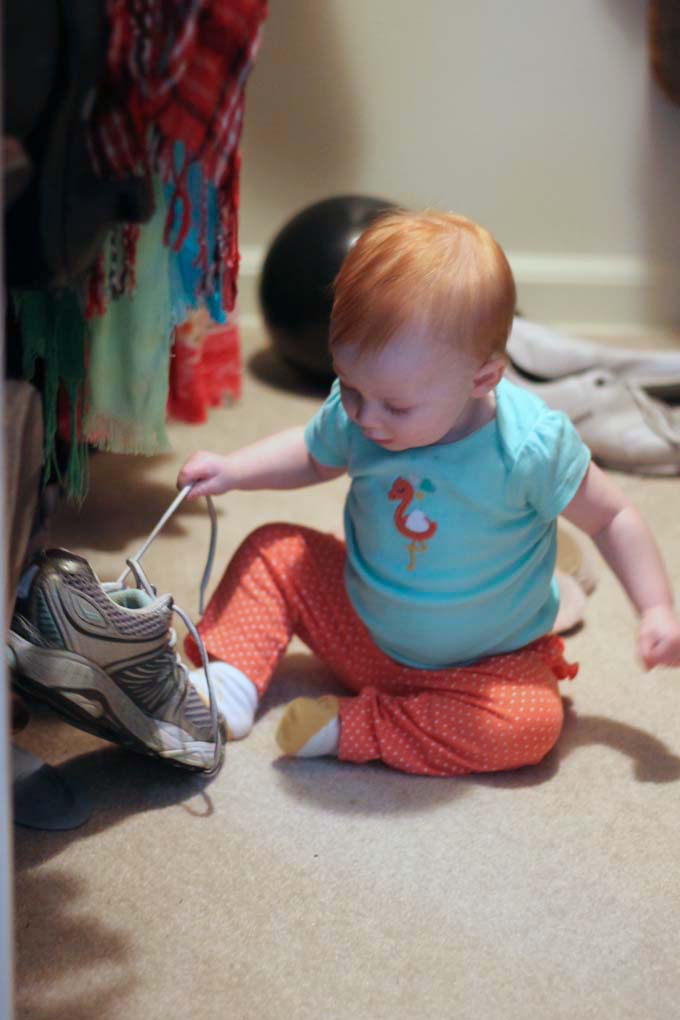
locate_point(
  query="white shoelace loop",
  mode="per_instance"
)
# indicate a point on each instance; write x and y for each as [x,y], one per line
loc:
[132,565]
[177,502]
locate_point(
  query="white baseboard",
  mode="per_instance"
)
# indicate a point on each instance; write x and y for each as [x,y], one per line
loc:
[618,294]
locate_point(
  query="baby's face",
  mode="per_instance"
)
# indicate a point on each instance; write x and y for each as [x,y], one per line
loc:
[415,392]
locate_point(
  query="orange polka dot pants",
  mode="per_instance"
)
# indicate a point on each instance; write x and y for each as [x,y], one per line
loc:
[500,713]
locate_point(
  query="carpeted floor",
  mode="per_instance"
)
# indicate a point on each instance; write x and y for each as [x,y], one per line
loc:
[290,890]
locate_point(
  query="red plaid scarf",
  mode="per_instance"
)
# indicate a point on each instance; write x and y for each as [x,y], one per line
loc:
[176,71]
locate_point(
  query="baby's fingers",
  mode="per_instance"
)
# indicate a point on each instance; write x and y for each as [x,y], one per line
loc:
[205,487]
[659,650]
[197,470]
[184,479]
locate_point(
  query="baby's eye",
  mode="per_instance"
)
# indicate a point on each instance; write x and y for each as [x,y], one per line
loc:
[397,410]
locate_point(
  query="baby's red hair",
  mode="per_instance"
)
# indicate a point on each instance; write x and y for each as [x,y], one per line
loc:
[435,270]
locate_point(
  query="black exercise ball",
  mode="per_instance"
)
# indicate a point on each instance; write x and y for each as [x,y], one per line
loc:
[296,284]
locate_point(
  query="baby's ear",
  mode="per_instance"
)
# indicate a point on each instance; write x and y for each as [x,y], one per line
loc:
[488,375]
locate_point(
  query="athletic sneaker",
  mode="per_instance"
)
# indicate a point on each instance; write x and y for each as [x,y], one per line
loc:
[625,428]
[543,354]
[103,656]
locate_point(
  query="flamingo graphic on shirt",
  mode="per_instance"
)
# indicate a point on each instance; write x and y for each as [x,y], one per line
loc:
[413,524]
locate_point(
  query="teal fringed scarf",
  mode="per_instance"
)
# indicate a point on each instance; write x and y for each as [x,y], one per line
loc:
[129,360]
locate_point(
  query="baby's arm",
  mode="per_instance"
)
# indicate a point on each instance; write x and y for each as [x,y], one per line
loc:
[281,461]
[601,510]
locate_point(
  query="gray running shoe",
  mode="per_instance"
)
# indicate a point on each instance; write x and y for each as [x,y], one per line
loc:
[103,656]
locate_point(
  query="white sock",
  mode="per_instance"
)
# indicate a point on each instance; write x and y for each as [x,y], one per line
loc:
[325,741]
[235,694]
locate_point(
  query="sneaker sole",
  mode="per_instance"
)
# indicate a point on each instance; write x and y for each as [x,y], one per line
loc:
[94,703]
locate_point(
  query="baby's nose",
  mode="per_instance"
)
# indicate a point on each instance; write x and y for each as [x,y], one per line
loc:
[367,414]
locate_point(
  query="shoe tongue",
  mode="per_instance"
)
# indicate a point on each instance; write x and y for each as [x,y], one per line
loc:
[135,598]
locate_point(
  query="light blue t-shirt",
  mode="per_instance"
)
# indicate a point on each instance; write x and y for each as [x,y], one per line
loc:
[451,548]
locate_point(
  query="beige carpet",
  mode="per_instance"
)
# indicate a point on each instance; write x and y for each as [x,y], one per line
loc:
[304,890]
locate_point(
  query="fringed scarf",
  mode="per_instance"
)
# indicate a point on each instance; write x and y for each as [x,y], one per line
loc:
[176,71]
[170,105]
[128,370]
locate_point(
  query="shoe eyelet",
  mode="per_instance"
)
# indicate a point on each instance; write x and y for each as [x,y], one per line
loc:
[600,380]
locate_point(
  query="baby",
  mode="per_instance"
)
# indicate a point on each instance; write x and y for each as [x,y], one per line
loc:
[436,611]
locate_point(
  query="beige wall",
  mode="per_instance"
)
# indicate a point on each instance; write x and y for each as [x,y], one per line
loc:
[539,118]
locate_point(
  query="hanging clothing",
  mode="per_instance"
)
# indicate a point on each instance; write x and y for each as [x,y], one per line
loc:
[169,106]
[176,73]
[127,383]
[205,367]
[185,263]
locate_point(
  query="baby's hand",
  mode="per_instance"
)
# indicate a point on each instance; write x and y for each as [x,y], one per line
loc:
[206,471]
[659,637]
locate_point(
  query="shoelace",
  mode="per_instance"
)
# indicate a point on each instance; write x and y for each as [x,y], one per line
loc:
[142,582]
